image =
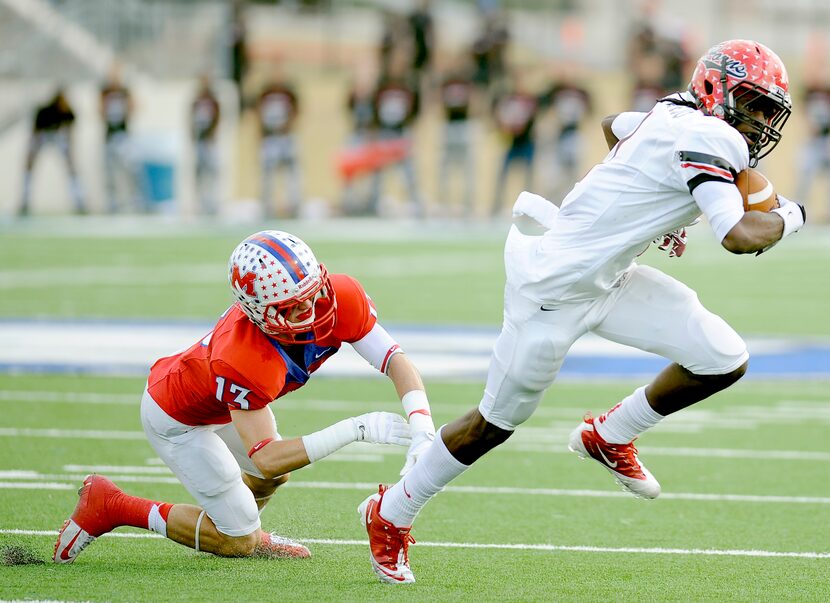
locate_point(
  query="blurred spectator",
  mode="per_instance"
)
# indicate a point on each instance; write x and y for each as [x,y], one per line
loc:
[423,40]
[396,104]
[569,103]
[52,127]
[515,112]
[395,39]
[647,68]
[647,86]
[360,103]
[204,122]
[675,63]
[656,58]
[238,47]
[457,93]
[119,172]
[815,154]
[488,51]
[277,109]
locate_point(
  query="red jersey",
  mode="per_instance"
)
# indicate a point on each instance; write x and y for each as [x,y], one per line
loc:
[237,366]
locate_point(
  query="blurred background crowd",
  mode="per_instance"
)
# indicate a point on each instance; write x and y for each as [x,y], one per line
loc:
[245,110]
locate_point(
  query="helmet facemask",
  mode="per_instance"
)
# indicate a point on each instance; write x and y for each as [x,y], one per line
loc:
[314,324]
[742,102]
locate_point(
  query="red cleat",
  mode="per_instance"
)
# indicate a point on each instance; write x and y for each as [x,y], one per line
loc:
[89,519]
[388,544]
[619,459]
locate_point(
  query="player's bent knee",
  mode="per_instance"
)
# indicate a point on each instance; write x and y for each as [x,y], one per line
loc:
[532,370]
[735,374]
[720,350]
[535,368]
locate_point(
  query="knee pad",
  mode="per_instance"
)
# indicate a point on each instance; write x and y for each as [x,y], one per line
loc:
[532,369]
[721,349]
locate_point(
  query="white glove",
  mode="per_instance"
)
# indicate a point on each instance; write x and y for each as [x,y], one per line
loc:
[421,440]
[381,428]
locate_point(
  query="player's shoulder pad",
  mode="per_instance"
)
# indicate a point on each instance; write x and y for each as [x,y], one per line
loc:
[623,124]
[710,135]
[355,314]
[708,149]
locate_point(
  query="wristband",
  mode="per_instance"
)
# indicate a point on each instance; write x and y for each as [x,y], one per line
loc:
[416,406]
[415,402]
[259,446]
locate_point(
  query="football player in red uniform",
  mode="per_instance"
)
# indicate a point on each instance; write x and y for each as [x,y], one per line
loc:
[206,411]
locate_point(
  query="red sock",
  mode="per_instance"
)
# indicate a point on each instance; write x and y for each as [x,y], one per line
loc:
[138,512]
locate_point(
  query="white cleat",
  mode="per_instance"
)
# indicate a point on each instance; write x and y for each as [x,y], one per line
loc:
[72,539]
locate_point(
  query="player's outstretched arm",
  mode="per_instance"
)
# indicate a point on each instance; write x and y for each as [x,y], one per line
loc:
[757,231]
[742,231]
[382,352]
[276,457]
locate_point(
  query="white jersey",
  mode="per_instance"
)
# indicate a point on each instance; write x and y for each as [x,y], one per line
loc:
[641,190]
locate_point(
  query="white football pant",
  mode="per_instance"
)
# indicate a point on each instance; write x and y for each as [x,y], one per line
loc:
[646,309]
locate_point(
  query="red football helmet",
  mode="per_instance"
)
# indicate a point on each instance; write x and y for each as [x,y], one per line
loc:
[735,80]
[271,273]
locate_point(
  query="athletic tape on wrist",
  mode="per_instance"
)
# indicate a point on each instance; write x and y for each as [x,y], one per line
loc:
[793,217]
[322,443]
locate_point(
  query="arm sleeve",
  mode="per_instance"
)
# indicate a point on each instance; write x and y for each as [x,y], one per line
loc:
[722,205]
[625,123]
[377,347]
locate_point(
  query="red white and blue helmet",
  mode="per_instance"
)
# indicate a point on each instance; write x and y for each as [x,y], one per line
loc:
[749,72]
[270,272]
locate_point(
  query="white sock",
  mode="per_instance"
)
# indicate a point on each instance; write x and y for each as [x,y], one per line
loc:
[155,522]
[628,419]
[435,469]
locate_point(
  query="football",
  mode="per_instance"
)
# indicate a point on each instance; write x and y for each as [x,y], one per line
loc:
[757,192]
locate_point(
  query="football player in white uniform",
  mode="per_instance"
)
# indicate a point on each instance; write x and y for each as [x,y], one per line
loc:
[572,271]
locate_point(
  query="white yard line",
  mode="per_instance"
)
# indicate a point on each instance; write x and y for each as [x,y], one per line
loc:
[24,479]
[520,445]
[790,412]
[75,434]
[502,546]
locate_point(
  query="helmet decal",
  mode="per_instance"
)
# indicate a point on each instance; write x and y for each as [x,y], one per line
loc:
[245,282]
[718,60]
